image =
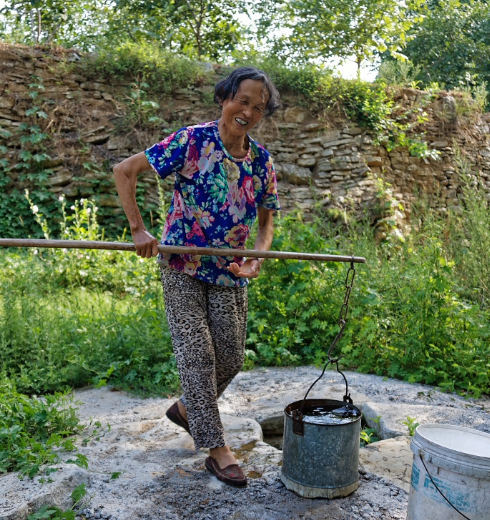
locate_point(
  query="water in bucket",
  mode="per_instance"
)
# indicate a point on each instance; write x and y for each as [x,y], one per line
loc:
[324,415]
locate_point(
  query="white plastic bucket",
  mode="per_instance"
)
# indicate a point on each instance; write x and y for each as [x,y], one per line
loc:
[458,460]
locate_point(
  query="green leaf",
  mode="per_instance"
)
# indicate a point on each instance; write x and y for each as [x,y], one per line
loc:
[79,492]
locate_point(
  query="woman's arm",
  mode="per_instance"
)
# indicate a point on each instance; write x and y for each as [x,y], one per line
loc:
[263,242]
[125,174]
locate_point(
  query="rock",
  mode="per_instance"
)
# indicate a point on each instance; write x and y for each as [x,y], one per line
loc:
[92,86]
[62,178]
[374,161]
[312,127]
[391,459]
[439,144]
[312,150]
[392,416]
[99,135]
[296,174]
[287,157]
[328,143]
[20,498]
[306,161]
[352,131]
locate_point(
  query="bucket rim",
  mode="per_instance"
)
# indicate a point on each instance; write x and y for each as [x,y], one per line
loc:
[423,442]
[315,402]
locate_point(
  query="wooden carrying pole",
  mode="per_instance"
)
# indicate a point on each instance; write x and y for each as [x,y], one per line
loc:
[203,251]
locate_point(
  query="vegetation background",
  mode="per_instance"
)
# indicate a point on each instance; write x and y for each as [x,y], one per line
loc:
[420,306]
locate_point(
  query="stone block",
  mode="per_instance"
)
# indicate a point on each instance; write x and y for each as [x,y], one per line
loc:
[367,182]
[324,165]
[306,161]
[374,161]
[16,87]
[315,140]
[287,157]
[355,192]
[391,459]
[312,150]
[62,178]
[333,143]
[439,144]
[296,174]
[6,101]
[355,130]
[313,127]
[327,153]
[71,191]
[340,159]
[87,85]
[323,175]
[322,183]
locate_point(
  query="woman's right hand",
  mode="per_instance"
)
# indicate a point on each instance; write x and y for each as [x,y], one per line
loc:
[146,244]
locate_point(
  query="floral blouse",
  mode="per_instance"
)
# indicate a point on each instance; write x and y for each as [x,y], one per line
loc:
[215,198]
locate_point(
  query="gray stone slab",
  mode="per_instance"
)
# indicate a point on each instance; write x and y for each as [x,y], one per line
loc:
[390,459]
[388,418]
[19,498]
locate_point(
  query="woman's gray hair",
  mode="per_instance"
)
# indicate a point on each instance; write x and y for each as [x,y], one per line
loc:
[228,87]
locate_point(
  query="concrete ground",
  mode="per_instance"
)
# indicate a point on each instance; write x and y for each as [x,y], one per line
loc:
[162,477]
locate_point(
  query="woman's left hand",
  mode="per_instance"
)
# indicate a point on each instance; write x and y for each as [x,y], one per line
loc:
[249,269]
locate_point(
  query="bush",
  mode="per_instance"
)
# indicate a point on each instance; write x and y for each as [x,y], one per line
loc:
[419,308]
[163,70]
[33,430]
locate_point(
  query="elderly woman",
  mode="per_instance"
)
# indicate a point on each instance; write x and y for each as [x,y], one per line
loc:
[224,180]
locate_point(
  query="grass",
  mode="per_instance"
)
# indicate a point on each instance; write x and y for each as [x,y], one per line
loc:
[419,307]
[412,316]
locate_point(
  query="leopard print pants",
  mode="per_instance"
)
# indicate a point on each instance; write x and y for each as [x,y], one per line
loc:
[208,325]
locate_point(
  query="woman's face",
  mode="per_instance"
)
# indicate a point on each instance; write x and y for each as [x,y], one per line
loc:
[245,110]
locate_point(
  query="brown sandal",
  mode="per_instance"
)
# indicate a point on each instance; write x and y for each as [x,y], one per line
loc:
[232,474]
[175,416]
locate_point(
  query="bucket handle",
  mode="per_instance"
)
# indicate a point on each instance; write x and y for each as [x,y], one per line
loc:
[297,415]
[421,455]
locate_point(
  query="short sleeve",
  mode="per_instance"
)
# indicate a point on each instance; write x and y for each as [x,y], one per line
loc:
[270,198]
[169,156]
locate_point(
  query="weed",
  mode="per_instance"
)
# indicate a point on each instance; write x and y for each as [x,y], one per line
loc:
[33,430]
[47,512]
[411,424]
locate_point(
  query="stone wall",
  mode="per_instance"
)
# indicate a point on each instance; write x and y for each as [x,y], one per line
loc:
[321,163]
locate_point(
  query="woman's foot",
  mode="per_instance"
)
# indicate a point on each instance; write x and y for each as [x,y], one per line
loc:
[178,418]
[182,409]
[223,465]
[223,456]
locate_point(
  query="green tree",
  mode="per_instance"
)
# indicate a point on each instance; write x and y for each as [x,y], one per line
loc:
[452,43]
[347,29]
[63,22]
[197,28]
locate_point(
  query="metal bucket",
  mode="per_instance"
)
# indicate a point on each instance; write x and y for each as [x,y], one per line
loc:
[323,461]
